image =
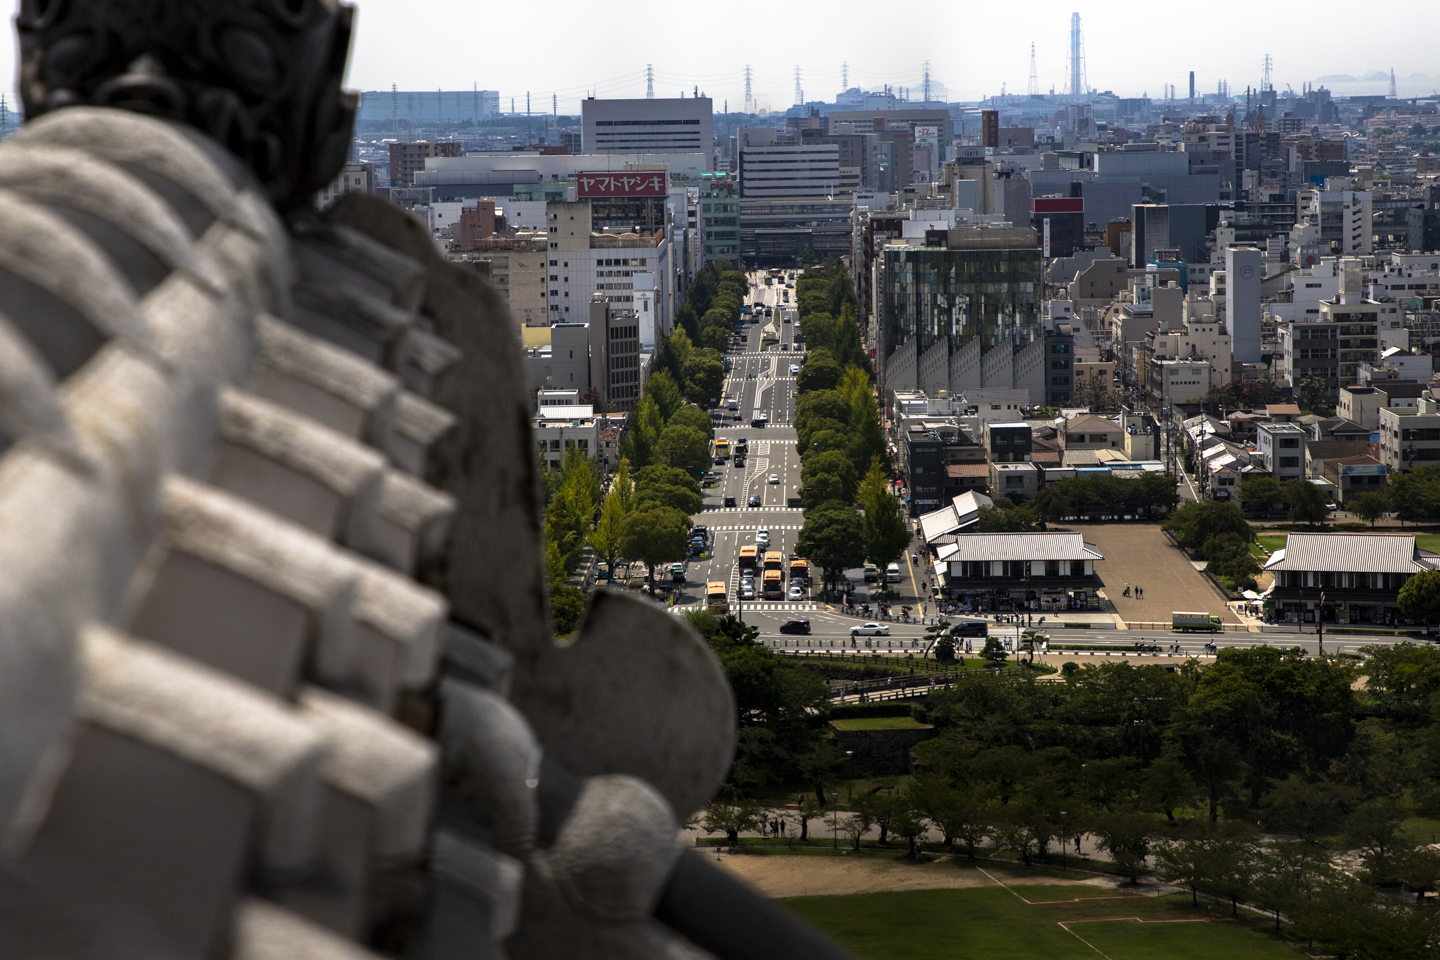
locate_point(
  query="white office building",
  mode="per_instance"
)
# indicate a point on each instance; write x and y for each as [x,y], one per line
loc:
[683,125]
[789,171]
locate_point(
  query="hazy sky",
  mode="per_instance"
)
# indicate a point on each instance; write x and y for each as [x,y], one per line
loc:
[570,48]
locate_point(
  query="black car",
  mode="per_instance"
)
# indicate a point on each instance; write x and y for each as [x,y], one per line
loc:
[796,626]
[739,461]
[970,628]
[729,501]
[754,501]
[719,461]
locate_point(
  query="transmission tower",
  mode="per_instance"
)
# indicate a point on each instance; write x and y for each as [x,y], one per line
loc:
[925,74]
[1076,69]
[1265,81]
[1392,83]
[1033,89]
[394,109]
[799,93]
[749,99]
[845,76]
[649,82]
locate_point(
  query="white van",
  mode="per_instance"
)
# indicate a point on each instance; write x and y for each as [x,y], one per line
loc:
[892,573]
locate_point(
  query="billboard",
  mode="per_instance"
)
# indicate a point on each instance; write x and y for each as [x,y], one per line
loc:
[1057,205]
[623,184]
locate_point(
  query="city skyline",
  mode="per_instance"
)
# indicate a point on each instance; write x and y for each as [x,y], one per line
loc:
[972,53]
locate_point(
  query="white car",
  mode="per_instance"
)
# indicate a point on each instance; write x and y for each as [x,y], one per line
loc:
[794,369]
[870,630]
[796,593]
[747,591]
[774,478]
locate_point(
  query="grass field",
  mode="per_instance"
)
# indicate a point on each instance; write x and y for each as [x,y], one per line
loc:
[1035,923]
[879,723]
[1425,541]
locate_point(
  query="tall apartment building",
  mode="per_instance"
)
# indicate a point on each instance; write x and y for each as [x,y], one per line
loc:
[962,309]
[477,224]
[632,270]
[789,170]
[683,125]
[1334,346]
[1343,215]
[614,352]
[719,219]
[353,178]
[406,159]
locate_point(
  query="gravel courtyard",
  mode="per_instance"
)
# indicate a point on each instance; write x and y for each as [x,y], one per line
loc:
[1141,555]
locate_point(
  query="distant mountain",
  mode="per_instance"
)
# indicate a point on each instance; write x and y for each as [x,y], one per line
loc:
[1377,75]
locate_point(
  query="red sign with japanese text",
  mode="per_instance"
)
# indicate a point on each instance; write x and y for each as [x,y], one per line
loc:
[625,184]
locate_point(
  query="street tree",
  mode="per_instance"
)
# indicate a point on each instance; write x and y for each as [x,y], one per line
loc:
[1259,494]
[704,379]
[1307,502]
[609,533]
[1051,505]
[835,466]
[662,388]
[693,417]
[1125,835]
[684,448]
[1420,596]
[833,538]
[655,535]
[818,372]
[1369,507]
[886,535]
[731,818]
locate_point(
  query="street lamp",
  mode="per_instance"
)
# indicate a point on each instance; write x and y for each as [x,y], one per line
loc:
[835,817]
[849,778]
[1063,841]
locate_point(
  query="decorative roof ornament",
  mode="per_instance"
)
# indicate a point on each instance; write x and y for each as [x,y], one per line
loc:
[262,77]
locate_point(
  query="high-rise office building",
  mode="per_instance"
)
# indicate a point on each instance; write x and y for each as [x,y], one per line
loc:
[789,170]
[963,309]
[683,125]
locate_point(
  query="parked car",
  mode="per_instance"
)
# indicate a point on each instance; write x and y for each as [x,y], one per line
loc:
[871,630]
[892,573]
[872,573]
[754,501]
[796,625]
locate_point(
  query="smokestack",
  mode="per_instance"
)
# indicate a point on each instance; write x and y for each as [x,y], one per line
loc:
[1192,86]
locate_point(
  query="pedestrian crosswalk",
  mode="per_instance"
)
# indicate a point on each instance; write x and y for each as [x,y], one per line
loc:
[710,509]
[756,606]
[743,527]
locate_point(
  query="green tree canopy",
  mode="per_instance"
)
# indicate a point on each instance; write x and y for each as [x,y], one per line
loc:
[661,388]
[1260,494]
[1415,493]
[1307,502]
[693,417]
[833,538]
[1420,596]
[684,448]
[1369,507]
[704,379]
[834,471]
[655,535]
[819,372]
[886,535]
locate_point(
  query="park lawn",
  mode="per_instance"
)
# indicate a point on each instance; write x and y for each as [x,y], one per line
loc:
[997,924]
[1271,543]
[880,723]
[1427,541]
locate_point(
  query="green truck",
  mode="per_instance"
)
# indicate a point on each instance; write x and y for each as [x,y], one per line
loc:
[1195,621]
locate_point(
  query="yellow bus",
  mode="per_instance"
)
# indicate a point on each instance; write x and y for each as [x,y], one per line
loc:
[799,570]
[747,557]
[774,585]
[774,560]
[722,448]
[716,597]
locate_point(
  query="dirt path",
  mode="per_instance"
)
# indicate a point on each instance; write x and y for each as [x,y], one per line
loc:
[799,876]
